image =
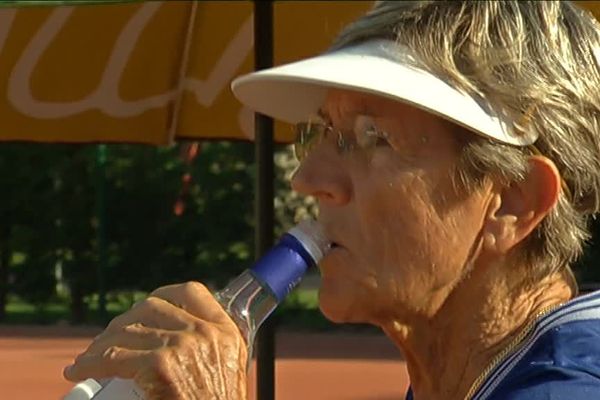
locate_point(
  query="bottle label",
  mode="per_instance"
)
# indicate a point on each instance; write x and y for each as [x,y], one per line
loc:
[282,268]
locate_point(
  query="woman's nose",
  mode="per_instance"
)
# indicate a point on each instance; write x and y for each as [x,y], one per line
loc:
[323,178]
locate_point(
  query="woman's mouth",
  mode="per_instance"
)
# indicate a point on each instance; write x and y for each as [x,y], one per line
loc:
[335,247]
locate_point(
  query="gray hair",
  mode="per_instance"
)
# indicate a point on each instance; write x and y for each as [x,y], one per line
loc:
[537,62]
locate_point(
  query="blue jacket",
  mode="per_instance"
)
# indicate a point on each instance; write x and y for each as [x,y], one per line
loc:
[558,360]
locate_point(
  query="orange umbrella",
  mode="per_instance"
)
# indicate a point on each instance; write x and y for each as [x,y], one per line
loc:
[144,72]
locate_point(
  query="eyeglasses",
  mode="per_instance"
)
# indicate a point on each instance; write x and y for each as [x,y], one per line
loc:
[364,136]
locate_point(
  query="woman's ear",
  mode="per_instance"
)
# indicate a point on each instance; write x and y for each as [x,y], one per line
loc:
[518,208]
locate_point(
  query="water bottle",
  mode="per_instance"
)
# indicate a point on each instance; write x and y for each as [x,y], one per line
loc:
[249,299]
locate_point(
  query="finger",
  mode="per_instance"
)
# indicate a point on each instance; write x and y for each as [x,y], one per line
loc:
[133,337]
[114,362]
[153,312]
[195,298]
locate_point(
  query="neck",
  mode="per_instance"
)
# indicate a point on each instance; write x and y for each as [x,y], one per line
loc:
[447,352]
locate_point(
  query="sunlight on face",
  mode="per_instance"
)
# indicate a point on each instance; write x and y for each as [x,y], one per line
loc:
[403,234]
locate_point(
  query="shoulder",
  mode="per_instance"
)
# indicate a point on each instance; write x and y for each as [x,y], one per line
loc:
[559,360]
[563,364]
[549,385]
[549,392]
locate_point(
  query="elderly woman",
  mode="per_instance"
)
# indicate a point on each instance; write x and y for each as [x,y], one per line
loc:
[454,149]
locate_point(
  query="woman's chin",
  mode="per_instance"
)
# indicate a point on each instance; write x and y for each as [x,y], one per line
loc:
[331,314]
[336,308]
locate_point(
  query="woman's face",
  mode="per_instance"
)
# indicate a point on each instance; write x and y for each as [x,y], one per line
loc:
[403,234]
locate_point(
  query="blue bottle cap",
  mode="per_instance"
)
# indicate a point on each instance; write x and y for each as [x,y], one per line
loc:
[282,268]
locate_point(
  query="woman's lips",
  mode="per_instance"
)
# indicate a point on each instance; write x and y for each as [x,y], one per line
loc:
[332,247]
[335,248]
[335,245]
[336,254]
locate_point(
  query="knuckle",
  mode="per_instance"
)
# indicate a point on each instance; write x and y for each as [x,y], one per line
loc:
[145,306]
[116,322]
[151,302]
[111,353]
[194,288]
[136,327]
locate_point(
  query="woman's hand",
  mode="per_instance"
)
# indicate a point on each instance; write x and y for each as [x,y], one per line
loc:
[176,344]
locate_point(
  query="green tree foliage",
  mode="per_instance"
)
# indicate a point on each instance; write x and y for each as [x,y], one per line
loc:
[290,207]
[211,240]
[27,234]
[49,217]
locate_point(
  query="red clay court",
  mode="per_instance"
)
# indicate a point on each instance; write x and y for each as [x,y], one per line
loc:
[309,366]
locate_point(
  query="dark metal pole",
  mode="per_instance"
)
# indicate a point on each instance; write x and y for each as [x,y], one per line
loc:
[263,58]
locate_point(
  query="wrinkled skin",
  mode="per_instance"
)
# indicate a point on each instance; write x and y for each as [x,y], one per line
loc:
[415,256]
[176,344]
[393,214]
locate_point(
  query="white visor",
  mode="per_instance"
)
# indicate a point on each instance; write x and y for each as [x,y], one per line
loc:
[294,92]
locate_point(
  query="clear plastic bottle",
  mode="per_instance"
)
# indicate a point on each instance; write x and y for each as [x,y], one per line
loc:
[249,299]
